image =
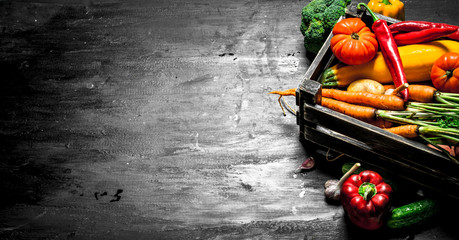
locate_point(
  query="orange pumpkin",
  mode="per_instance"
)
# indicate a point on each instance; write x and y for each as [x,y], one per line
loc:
[445,73]
[353,42]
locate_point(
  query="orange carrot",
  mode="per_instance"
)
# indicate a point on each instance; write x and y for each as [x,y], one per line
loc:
[291,91]
[408,131]
[419,93]
[363,113]
[281,94]
[422,93]
[387,102]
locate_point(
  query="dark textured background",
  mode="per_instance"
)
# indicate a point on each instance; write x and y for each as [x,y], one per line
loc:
[151,120]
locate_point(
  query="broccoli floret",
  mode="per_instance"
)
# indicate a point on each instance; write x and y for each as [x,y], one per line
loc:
[312,10]
[342,3]
[318,19]
[332,14]
[315,36]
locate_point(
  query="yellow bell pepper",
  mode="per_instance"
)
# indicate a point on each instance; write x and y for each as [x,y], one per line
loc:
[390,8]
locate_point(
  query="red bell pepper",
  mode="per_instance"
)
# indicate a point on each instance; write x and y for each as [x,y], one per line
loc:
[365,198]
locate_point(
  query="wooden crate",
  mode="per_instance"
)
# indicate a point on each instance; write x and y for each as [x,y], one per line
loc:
[370,145]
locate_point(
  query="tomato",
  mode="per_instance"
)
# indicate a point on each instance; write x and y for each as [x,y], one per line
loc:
[353,42]
[445,73]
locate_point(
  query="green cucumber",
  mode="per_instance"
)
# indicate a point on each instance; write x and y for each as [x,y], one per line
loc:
[413,214]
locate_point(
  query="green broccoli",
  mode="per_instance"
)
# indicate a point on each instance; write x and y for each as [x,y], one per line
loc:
[315,35]
[318,19]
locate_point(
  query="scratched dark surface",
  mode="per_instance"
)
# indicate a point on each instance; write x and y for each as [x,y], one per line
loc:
[151,120]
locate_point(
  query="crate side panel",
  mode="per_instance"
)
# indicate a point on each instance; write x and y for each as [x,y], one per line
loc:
[382,141]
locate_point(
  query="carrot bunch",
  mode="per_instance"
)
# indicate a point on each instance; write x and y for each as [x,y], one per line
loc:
[429,115]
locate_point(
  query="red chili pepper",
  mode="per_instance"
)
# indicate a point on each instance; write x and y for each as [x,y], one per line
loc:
[389,50]
[366,199]
[425,35]
[410,26]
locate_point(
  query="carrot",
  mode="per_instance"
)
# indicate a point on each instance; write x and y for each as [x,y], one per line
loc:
[418,92]
[387,102]
[408,131]
[291,91]
[422,93]
[281,94]
[363,113]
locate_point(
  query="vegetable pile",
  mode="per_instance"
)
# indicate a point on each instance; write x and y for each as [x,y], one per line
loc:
[401,77]
[366,196]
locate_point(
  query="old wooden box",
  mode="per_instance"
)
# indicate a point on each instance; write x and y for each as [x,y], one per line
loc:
[326,129]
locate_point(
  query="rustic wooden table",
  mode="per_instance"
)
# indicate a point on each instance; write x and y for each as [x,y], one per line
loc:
[151,120]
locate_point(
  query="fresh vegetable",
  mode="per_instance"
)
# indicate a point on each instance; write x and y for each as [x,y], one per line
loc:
[413,131]
[452,150]
[366,114]
[291,91]
[428,94]
[318,19]
[333,187]
[389,50]
[421,36]
[309,163]
[389,102]
[366,85]
[413,214]
[408,131]
[396,90]
[366,199]
[281,94]
[418,93]
[353,42]
[423,93]
[445,73]
[410,26]
[363,113]
[347,166]
[390,8]
[418,60]
[438,123]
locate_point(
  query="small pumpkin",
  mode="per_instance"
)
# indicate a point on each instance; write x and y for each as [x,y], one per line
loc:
[353,42]
[445,73]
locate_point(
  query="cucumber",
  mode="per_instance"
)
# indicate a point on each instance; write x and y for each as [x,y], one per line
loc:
[413,214]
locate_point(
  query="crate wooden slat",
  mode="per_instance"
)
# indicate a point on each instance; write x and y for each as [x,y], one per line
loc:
[408,159]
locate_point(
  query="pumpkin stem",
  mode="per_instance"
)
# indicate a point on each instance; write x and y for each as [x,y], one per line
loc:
[355,36]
